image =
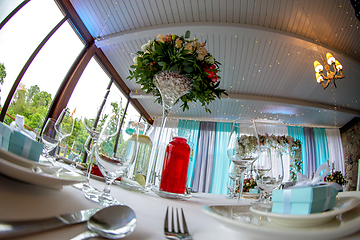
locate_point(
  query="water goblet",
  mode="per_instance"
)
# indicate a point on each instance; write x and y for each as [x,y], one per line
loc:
[234,176]
[76,152]
[64,124]
[243,147]
[113,158]
[272,178]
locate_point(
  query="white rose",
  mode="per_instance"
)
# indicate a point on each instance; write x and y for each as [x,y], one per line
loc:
[135,59]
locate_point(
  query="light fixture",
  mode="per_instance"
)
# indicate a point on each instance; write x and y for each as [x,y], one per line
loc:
[331,76]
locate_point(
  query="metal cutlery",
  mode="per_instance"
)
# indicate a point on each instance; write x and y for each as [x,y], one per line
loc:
[18,228]
[169,229]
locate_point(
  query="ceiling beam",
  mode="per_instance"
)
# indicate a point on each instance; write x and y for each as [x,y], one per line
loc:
[138,94]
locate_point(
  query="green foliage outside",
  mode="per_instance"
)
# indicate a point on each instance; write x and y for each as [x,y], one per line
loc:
[2,73]
[34,104]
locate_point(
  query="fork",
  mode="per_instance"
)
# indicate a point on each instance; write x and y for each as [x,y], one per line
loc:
[172,234]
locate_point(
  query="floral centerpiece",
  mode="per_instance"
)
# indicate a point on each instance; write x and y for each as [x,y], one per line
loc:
[184,56]
[285,144]
[335,177]
[249,183]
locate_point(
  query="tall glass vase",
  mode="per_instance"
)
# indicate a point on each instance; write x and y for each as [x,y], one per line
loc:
[171,86]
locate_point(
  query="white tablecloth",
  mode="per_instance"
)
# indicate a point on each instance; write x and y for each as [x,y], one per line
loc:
[19,200]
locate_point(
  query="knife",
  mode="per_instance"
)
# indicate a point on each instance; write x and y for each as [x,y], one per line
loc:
[18,228]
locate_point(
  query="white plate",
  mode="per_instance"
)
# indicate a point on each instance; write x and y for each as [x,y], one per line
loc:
[342,204]
[47,178]
[12,157]
[253,226]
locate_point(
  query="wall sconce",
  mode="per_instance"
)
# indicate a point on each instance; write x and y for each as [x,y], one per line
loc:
[331,76]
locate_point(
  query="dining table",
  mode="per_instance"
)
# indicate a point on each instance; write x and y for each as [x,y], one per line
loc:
[24,201]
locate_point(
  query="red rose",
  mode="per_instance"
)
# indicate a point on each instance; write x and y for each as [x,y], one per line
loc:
[212,66]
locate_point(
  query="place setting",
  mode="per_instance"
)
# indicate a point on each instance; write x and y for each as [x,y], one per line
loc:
[27,159]
[305,209]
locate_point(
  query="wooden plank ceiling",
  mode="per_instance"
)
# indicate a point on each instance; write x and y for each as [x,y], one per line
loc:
[266,47]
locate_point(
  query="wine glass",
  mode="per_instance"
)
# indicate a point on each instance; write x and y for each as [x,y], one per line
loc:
[64,124]
[261,167]
[272,178]
[114,157]
[243,147]
[234,176]
[49,138]
[76,152]
[93,126]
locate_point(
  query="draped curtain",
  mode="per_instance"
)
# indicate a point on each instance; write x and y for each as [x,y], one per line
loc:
[209,165]
[336,153]
[221,161]
[321,146]
[205,158]
[194,127]
[298,134]
[310,153]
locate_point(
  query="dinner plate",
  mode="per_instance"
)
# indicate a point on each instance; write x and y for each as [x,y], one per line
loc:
[342,204]
[40,175]
[250,225]
[12,157]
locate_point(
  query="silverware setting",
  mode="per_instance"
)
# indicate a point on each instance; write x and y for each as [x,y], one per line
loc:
[172,230]
[10,229]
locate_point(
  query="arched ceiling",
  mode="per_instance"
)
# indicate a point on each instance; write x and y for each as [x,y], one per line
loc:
[266,47]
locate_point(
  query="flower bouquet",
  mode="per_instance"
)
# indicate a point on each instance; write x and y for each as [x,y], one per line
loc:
[335,177]
[249,183]
[181,56]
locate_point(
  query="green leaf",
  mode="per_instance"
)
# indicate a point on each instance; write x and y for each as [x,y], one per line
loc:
[147,72]
[174,68]
[161,63]
[188,69]
[187,34]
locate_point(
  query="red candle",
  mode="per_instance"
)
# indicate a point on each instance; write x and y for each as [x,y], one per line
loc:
[175,168]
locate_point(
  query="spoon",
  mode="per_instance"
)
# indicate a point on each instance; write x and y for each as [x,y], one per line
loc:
[113,222]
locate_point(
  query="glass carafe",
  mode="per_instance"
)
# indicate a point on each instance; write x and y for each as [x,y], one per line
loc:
[176,162]
[135,178]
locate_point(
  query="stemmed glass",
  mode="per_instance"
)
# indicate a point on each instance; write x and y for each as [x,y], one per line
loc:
[93,126]
[272,178]
[234,176]
[261,167]
[76,152]
[243,147]
[64,124]
[113,157]
[50,139]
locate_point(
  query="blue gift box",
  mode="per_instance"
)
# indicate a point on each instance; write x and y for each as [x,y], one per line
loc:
[304,200]
[5,133]
[24,146]
[253,190]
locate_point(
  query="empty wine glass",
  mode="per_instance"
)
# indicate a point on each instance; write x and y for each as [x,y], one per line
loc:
[243,147]
[272,178]
[93,126]
[234,177]
[114,157]
[50,139]
[64,124]
[76,152]
[261,167]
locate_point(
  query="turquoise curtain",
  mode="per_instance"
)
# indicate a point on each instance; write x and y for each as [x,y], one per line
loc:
[298,134]
[221,161]
[321,146]
[194,127]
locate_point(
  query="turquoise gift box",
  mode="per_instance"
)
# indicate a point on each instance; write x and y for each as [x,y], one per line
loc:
[20,144]
[304,200]
[5,133]
[253,190]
